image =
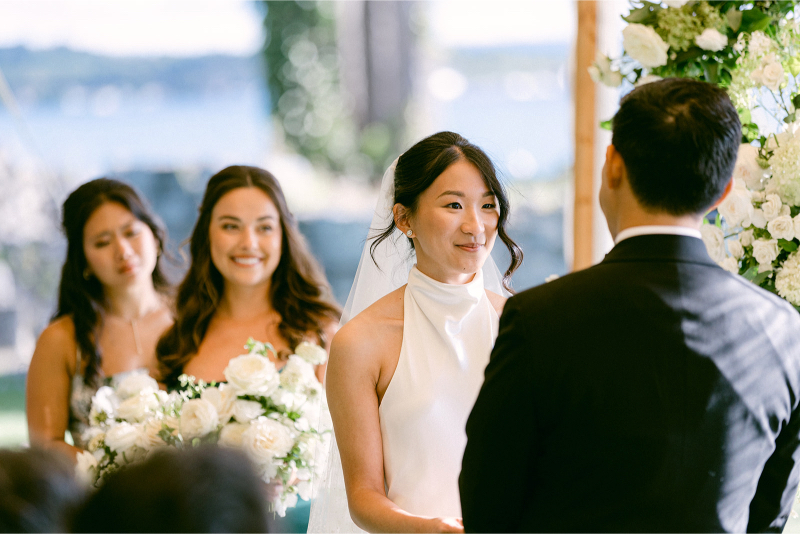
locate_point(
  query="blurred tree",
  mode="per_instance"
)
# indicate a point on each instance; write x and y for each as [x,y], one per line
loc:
[339,76]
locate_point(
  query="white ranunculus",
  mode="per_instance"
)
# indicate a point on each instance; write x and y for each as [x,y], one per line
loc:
[758,219]
[86,468]
[765,251]
[771,207]
[730,264]
[198,418]
[223,399]
[714,240]
[104,401]
[782,227]
[772,76]
[759,43]
[93,440]
[252,374]
[231,435]
[136,384]
[676,3]
[650,78]
[746,238]
[134,409]
[643,44]
[747,168]
[245,411]
[737,208]
[787,280]
[148,437]
[735,248]
[297,375]
[122,437]
[266,440]
[711,39]
[312,353]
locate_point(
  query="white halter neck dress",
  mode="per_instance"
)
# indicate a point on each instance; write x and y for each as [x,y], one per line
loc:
[448,333]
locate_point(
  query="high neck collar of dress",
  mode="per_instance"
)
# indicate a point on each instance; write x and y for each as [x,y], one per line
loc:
[450,294]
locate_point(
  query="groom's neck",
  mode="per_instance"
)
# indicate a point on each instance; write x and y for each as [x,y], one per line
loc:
[637,216]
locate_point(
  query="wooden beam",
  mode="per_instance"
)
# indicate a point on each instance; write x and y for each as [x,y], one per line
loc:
[585,124]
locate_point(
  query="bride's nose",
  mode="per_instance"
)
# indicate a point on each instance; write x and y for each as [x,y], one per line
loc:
[472,224]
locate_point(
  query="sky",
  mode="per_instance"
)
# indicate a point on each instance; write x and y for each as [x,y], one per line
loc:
[197,27]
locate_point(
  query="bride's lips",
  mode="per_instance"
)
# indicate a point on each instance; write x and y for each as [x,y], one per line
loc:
[470,247]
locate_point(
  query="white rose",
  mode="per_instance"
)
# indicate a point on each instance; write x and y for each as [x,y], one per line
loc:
[650,78]
[758,219]
[148,437]
[747,168]
[730,264]
[134,409]
[136,384]
[245,411]
[735,248]
[86,468]
[737,209]
[714,240]
[252,374]
[765,251]
[312,353]
[771,207]
[746,238]
[643,44]
[782,227]
[122,437]
[772,76]
[796,221]
[223,399]
[758,196]
[265,440]
[231,435]
[676,3]
[711,39]
[297,374]
[759,43]
[198,418]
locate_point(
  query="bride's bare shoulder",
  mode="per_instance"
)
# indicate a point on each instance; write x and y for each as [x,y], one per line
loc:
[367,332]
[497,301]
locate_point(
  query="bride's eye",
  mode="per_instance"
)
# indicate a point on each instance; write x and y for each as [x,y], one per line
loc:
[454,205]
[490,206]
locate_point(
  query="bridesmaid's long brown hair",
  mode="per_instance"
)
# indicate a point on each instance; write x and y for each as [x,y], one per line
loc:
[300,293]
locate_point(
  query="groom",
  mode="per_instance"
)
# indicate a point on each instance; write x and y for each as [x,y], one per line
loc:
[655,391]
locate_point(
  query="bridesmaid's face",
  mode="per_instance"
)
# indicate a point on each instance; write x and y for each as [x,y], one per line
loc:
[245,237]
[455,224]
[120,249]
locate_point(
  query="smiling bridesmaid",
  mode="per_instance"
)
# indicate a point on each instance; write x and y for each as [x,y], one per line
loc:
[251,276]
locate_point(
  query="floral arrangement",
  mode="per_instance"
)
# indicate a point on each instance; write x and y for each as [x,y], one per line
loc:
[752,50]
[273,416]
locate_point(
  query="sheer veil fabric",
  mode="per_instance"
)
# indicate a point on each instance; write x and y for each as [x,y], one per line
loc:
[394,258]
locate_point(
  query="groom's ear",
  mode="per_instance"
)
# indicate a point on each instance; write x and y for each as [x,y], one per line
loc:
[615,168]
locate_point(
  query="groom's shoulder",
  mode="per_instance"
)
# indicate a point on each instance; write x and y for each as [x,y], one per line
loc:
[578,283]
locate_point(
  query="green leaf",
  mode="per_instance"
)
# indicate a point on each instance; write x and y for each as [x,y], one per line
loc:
[788,119]
[718,220]
[788,246]
[745,116]
[796,99]
[734,17]
[794,65]
[606,125]
[797,308]
[754,20]
[761,277]
[751,273]
[647,14]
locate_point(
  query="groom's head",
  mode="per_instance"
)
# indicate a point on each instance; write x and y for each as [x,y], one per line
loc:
[673,151]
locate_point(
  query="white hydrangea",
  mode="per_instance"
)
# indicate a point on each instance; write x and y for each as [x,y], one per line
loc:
[644,45]
[650,78]
[787,279]
[759,43]
[785,163]
[676,3]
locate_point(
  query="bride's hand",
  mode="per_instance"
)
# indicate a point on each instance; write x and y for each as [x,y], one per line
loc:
[448,524]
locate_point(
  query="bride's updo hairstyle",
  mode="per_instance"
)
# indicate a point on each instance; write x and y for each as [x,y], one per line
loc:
[421,164]
[80,294]
[299,291]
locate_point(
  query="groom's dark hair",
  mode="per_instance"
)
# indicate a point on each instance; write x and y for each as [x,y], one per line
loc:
[679,139]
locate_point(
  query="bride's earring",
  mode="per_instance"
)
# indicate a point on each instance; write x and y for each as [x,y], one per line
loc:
[87,274]
[410,232]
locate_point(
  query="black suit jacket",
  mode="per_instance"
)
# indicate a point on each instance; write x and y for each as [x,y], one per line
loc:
[652,392]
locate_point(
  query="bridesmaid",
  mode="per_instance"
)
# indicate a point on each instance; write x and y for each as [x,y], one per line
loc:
[251,276]
[112,309]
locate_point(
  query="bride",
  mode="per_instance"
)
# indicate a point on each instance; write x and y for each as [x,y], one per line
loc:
[404,373]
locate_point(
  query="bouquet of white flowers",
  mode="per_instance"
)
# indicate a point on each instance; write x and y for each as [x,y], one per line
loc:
[273,416]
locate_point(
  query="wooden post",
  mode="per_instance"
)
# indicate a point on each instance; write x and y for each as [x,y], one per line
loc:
[585,124]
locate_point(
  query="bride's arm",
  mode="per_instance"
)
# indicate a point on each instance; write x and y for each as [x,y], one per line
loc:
[353,373]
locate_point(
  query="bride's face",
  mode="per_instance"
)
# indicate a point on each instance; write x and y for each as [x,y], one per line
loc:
[455,224]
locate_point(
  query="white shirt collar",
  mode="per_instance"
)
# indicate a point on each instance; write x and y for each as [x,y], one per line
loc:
[650,230]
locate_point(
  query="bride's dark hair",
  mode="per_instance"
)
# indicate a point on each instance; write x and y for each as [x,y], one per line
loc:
[80,296]
[300,293]
[421,164]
